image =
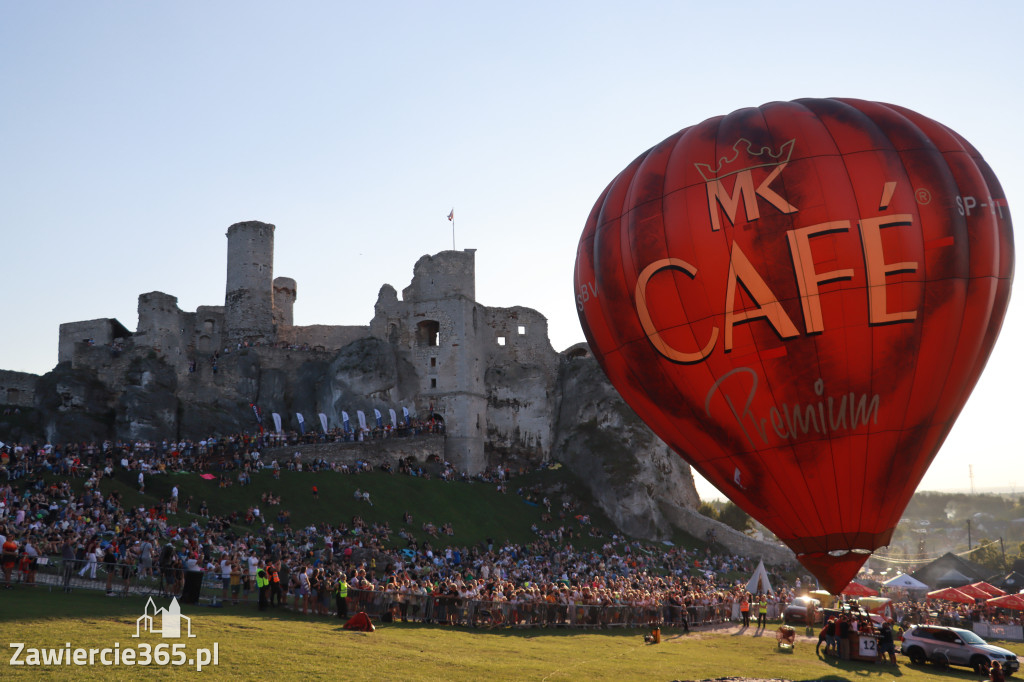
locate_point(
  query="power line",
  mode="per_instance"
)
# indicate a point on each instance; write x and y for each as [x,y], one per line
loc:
[925,560]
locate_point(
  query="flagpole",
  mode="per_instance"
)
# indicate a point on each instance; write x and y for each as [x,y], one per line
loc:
[451,217]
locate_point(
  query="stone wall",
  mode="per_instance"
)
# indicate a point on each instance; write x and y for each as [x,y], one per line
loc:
[322,336]
[285,292]
[100,332]
[161,323]
[443,276]
[18,388]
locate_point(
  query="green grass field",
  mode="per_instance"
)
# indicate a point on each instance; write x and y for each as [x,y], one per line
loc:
[477,511]
[283,645]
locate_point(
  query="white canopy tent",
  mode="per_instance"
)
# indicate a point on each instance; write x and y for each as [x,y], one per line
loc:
[759,581]
[905,582]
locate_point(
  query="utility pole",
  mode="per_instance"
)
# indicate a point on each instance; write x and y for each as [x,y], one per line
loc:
[1002,548]
[968,535]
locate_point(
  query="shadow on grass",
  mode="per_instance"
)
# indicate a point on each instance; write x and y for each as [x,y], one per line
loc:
[862,668]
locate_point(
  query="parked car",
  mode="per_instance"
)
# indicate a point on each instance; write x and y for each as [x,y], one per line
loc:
[946,646]
[796,612]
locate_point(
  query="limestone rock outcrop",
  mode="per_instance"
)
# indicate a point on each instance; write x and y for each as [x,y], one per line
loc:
[634,476]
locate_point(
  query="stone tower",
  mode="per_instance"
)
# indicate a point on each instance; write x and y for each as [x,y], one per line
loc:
[249,300]
[160,324]
[439,322]
[285,293]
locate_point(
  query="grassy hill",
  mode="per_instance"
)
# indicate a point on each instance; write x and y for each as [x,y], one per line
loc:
[476,511]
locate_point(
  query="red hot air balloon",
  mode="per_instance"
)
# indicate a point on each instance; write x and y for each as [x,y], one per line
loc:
[799,299]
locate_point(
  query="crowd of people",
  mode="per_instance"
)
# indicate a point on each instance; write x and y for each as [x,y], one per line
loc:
[94,536]
[45,517]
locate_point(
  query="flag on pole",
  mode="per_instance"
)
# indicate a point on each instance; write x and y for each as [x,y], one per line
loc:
[323,421]
[277,421]
[451,216]
[259,415]
[302,423]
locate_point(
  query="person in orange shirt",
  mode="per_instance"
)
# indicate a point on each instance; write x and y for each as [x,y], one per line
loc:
[8,559]
[745,609]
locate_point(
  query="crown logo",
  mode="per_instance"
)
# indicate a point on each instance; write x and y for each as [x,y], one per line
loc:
[744,156]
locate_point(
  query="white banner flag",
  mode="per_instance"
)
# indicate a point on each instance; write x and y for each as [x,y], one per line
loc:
[323,421]
[394,418]
[298,415]
[362,419]
[277,421]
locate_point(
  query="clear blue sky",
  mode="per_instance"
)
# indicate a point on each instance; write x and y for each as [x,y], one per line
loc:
[133,134]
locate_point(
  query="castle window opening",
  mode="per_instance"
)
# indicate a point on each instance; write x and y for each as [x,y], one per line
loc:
[433,383]
[433,362]
[428,333]
[522,330]
[12,396]
[208,326]
[501,340]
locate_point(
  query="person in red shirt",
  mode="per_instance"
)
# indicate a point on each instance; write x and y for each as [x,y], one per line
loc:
[8,559]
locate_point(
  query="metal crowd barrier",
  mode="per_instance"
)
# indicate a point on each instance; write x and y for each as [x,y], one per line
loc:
[53,573]
[119,579]
[386,605]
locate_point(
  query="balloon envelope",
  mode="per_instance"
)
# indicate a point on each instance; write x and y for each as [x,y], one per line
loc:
[799,298]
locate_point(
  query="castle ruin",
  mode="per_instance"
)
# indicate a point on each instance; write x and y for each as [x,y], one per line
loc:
[489,374]
[456,347]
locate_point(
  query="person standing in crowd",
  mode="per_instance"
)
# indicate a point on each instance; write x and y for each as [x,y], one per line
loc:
[263,585]
[67,557]
[91,561]
[30,562]
[273,574]
[844,637]
[762,611]
[110,566]
[8,558]
[341,595]
[886,643]
[745,609]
